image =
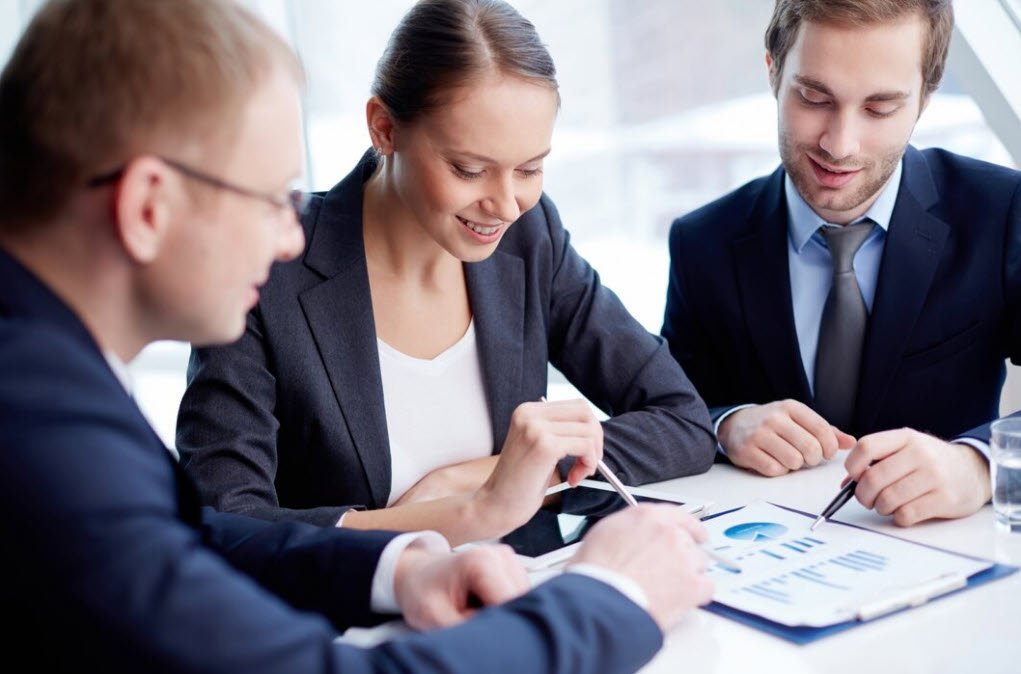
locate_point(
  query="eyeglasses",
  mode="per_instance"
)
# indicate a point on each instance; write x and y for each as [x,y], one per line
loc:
[296,198]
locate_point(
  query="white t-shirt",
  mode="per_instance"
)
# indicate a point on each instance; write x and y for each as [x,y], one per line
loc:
[436,410]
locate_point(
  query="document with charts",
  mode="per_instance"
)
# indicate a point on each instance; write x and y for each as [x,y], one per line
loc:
[794,576]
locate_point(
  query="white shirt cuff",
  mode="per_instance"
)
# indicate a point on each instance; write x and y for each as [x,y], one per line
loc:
[625,585]
[979,446]
[384,596]
[719,420]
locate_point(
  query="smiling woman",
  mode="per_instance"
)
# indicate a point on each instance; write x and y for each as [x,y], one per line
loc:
[390,381]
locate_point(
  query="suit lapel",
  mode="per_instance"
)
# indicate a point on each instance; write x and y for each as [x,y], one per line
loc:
[339,315]
[914,244]
[26,295]
[496,289]
[760,259]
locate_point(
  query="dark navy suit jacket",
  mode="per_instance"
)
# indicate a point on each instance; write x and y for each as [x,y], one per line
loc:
[946,314]
[289,421]
[109,563]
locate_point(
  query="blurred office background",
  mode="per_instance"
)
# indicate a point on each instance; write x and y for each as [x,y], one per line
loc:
[666,106]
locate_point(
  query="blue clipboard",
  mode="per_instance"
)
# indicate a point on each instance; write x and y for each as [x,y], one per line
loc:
[803,634]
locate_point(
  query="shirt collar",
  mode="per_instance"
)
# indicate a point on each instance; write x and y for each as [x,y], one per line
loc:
[804,222]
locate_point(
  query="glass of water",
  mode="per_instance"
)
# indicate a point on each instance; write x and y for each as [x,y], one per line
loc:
[1005,468]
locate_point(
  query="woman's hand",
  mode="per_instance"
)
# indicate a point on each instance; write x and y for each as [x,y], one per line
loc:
[540,435]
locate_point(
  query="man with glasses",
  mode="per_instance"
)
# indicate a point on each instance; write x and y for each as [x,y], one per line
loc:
[147,153]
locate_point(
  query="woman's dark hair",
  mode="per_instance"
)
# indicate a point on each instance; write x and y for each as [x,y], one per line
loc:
[441,45]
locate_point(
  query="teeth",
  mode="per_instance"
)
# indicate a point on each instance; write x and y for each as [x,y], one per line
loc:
[479,229]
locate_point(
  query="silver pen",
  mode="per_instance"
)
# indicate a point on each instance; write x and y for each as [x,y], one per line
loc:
[615,482]
[605,471]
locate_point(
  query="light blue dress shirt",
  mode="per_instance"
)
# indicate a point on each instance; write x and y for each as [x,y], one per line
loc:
[811,268]
[811,273]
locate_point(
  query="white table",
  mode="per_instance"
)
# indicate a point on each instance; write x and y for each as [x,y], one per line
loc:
[977,631]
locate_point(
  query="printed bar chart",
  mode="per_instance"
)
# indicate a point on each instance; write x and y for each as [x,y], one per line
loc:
[795,577]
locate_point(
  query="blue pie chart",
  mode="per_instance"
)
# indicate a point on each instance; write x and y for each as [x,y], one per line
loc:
[756,531]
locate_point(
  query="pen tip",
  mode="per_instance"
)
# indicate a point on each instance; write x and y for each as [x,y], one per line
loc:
[817,522]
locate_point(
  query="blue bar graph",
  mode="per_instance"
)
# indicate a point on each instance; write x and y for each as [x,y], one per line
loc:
[761,590]
[847,564]
[816,578]
[868,557]
[798,577]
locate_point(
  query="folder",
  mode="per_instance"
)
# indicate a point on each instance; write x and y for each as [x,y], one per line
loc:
[876,609]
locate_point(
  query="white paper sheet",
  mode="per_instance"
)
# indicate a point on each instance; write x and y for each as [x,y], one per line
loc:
[794,576]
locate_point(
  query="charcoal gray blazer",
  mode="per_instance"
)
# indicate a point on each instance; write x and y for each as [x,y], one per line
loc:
[289,421]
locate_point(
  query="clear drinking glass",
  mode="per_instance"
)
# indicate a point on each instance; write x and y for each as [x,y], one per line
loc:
[1005,469]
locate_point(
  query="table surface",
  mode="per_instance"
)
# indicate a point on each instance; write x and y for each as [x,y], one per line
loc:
[978,630]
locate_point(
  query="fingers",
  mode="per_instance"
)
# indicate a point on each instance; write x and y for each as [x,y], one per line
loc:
[580,470]
[900,493]
[575,409]
[699,560]
[779,437]
[764,464]
[446,589]
[671,515]
[494,575]
[873,448]
[439,614]
[694,527]
[422,584]
[566,428]
[704,590]
[588,451]
[880,486]
[914,477]
[654,545]
[786,452]
[569,427]
[830,438]
[844,441]
[922,508]
[887,476]
[815,438]
[539,436]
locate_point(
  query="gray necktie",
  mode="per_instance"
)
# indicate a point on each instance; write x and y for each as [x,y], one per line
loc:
[842,331]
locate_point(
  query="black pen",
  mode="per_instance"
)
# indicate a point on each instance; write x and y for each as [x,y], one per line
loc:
[842,497]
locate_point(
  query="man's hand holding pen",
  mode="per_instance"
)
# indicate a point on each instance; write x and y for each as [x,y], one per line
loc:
[915,477]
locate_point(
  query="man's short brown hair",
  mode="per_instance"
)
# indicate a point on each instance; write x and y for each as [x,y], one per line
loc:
[92,83]
[789,15]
